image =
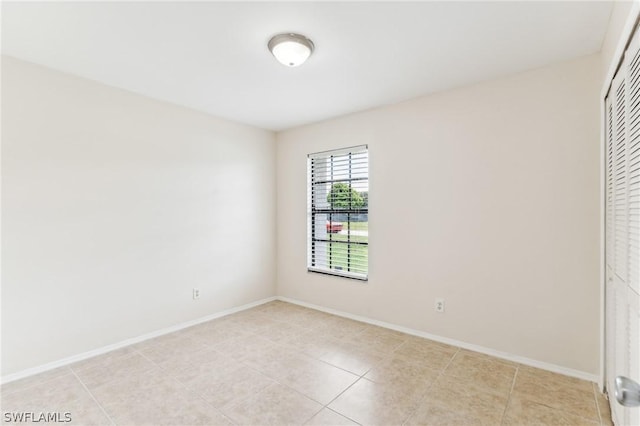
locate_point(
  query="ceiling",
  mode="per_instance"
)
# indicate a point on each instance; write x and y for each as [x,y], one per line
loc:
[212,56]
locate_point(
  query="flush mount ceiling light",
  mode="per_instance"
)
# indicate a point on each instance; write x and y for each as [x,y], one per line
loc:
[290,49]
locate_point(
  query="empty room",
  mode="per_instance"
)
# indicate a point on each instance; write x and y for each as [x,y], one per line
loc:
[320,213]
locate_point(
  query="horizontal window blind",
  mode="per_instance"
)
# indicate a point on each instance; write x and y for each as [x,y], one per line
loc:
[338,212]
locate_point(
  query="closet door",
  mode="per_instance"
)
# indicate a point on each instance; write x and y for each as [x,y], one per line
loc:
[633,220]
[622,308]
[616,168]
[610,305]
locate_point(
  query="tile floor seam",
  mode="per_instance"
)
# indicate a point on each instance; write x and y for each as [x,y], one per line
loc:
[555,408]
[67,367]
[338,367]
[281,384]
[345,416]
[276,381]
[199,395]
[605,394]
[448,364]
[155,364]
[401,345]
[314,414]
[426,393]
[513,385]
[560,410]
[595,397]
[423,399]
[216,409]
[265,375]
[315,400]
[191,364]
[365,373]
[315,359]
[338,396]
[86,388]
[236,403]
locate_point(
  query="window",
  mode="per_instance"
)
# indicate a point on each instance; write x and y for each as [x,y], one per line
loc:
[338,212]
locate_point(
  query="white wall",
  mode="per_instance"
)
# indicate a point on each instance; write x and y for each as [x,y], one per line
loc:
[114,206]
[486,196]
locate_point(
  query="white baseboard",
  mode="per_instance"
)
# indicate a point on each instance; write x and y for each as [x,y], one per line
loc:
[470,346]
[99,351]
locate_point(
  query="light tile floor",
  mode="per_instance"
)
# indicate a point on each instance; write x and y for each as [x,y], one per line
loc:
[281,364]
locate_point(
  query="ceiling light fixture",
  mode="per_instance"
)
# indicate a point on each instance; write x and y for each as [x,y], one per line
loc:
[290,49]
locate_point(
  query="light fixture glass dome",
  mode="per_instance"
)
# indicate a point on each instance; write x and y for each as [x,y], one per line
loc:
[291,49]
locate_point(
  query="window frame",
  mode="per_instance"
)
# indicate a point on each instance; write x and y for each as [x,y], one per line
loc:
[313,212]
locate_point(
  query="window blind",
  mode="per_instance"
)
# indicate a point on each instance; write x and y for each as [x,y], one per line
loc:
[338,212]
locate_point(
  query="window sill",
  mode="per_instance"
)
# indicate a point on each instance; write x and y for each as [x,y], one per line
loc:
[349,275]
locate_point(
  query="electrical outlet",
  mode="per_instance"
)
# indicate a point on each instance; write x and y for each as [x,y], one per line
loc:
[439,304]
[196,293]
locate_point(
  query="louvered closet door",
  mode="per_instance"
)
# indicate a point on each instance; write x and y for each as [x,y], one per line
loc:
[622,183]
[610,294]
[633,220]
